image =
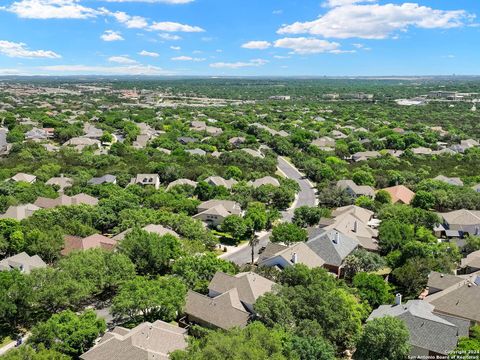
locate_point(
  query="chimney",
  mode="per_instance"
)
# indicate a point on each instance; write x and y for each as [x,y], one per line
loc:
[294,258]
[336,238]
[398,299]
[355,226]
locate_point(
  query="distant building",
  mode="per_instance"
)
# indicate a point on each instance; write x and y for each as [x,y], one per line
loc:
[147,179]
[22,262]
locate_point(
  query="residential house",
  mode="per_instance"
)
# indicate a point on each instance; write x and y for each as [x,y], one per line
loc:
[236,141]
[325,143]
[5,147]
[23,262]
[147,341]
[451,181]
[182,182]
[400,194]
[461,222]
[75,243]
[360,213]
[338,135]
[267,180]
[355,190]
[80,143]
[431,333]
[91,131]
[471,263]
[252,152]
[282,256]
[198,152]
[147,179]
[19,212]
[37,134]
[65,200]
[61,182]
[184,140]
[24,178]
[438,282]
[152,228]
[105,179]
[365,155]
[421,151]
[214,212]
[219,181]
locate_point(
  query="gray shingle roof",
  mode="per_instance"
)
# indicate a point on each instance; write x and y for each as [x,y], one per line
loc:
[22,262]
[332,246]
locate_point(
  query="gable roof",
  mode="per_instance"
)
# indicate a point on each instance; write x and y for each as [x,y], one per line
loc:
[180,182]
[61,182]
[442,281]
[356,189]
[360,213]
[332,246]
[19,212]
[452,181]
[147,341]
[230,206]
[400,193]
[462,217]
[23,262]
[73,243]
[427,330]
[472,260]
[266,180]
[24,177]
[219,181]
[224,311]
[102,179]
[250,286]
[300,251]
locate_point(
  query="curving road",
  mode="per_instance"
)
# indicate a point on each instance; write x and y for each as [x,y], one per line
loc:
[306,197]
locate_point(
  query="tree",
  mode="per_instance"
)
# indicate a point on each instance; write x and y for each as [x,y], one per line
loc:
[257,215]
[233,172]
[142,299]
[253,342]
[312,348]
[383,197]
[363,177]
[197,271]
[362,260]
[365,202]
[68,332]
[394,234]
[383,338]
[472,244]
[373,288]
[469,344]
[288,233]
[305,216]
[26,352]
[236,226]
[14,300]
[150,252]
[424,200]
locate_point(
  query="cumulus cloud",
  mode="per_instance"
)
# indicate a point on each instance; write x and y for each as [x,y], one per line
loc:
[375,21]
[176,48]
[105,70]
[187,58]
[122,60]
[51,9]
[303,45]
[148,53]
[169,26]
[131,22]
[20,50]
[169,37]
[110,35]
[239,64]
[257,45]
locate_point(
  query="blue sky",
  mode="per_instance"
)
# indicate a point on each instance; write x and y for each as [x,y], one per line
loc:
[240,37]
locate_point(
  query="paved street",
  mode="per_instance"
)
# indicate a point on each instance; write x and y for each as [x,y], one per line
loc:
[306,197]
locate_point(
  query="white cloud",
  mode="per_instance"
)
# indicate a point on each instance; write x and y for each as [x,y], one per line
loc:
[170,26]
[187,58]
[176,48]
[110,35]
[20,50]
[302,45]
[277,12]
[374,21]
[257,45]
[131,22]
[173,2]
[239,64]
[169,37]
[51,9]
[148,53]
[334,3]
[105,70]
[122,60]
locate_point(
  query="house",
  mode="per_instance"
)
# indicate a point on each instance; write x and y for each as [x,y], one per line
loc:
[219,181]
[5,147]
[184,140]
[19,212]
[476,188]
[469,143]
[65,200]
[250,286]
[182,182]
[282,256]
[332,246]
[23,262]
[147,341]
[338,135]
[198,152]
[365,155]
[267,180]
[91,131]
[421,151]
[252,152]
[236,141]
[37,134]
[439,282]
[471,263]
[459,300]
[451,181]
[355,190]
[224,311]
[105,179]
[152,228]
[61,182]
[74,243]
[80,143]
[360,213]
[400,194]
[214,212]
[431,333]
[324,143]
[461,222]
[24,178]
[147,179]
